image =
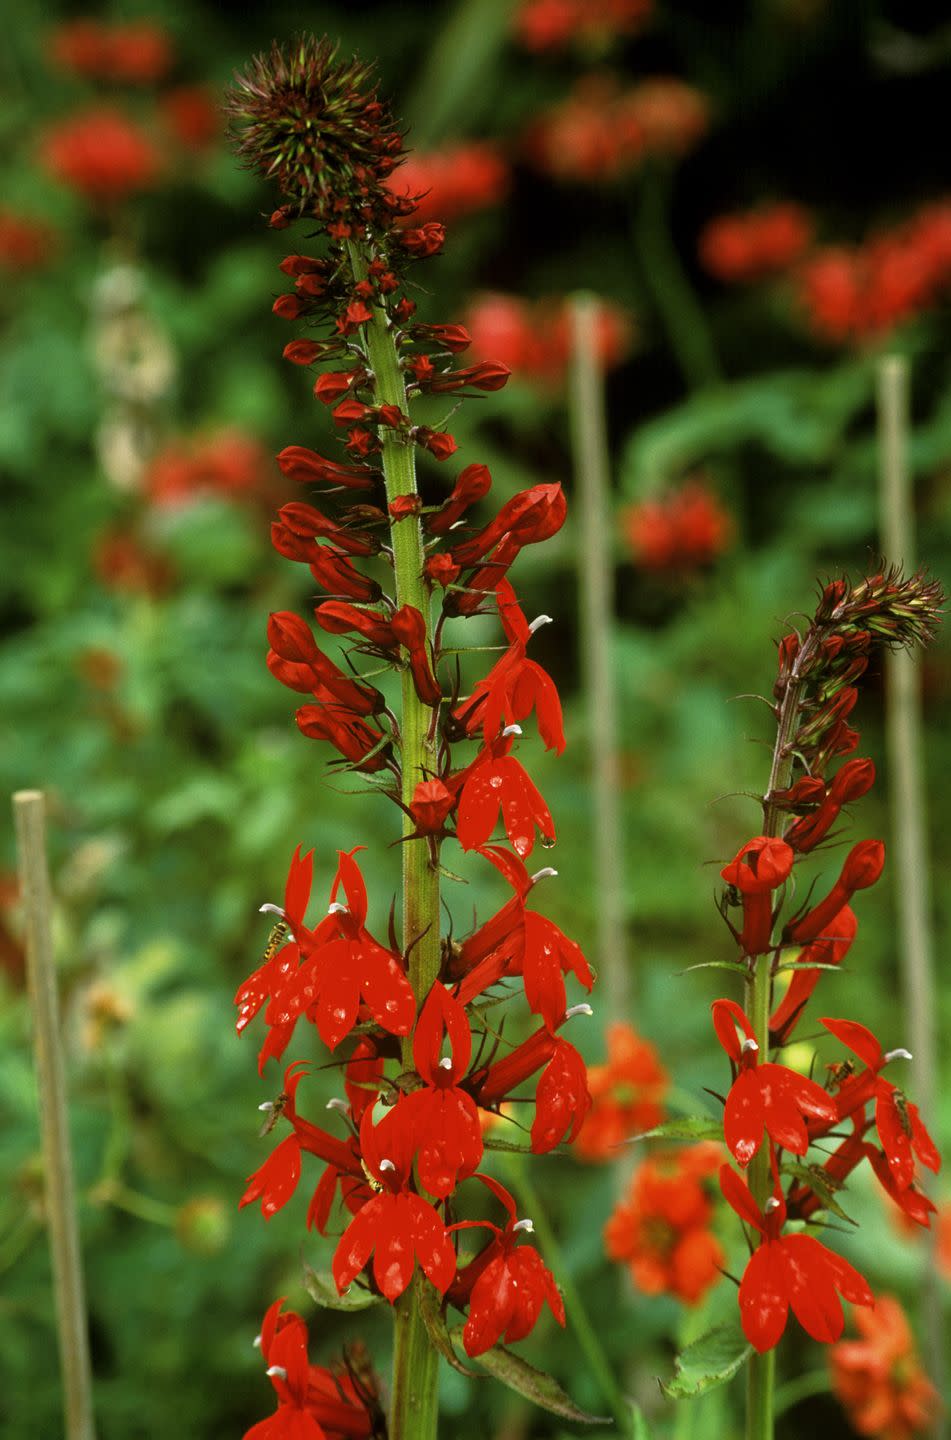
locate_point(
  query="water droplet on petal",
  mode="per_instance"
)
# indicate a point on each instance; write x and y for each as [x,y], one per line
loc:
[522,845]
[496,782]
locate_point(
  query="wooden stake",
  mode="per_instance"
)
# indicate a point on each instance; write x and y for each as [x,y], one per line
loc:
[30,821]
[908,810]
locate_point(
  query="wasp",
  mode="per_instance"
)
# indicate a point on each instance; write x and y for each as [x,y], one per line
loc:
[275,940]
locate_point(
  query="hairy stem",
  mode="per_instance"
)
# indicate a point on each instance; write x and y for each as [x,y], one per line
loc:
[414,1408]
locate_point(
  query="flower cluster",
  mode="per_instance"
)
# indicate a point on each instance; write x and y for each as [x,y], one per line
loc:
[879,1378]
[603,132]
[230,465]
[457,180]
[101,153]
[661,1229]
[533,338]
[627,1094]
[754,244]
[543,25]
[422,1060]
[679,531]
[773,1115]
[136,52]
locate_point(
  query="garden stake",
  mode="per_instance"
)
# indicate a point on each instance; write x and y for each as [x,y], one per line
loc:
[596,596]
[30,821]
[909,814]
[423,1058]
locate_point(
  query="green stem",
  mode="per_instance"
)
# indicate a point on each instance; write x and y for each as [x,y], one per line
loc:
[623,1409]
[415,1405]
[814,1382]
[681,314]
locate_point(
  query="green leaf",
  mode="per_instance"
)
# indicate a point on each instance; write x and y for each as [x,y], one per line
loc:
[710,1361]
[736,966]
[434,1318]
[686,1127]
[535,1385]
[820,1181]
[321,1288]
[510,1147]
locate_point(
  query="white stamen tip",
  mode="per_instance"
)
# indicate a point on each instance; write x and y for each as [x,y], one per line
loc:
[337,1104]
[266,1105]
[748,1046]
[543,874]
[771,1205]
[527,1225]
[269,909]
[578,1010]
[445,1063]
[539,622]
[276,1372]
[256,1342]
[336,908]
[387,1165]
[900,1054]
[511,730]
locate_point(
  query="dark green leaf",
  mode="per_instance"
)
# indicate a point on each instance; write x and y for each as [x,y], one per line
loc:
[710,1361]
[542,1389]
[818,1180]
[686,1127]
[321,1288]
[434,1318]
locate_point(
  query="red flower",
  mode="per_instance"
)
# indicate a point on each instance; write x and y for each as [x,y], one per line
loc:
[439,443]
[661,1229]
[681,530]
[764,1096]
[511,1284]
[307,467]
[443,1116]
[430,806]
[830,949]
[626,1094]
[496,781]
[789,1270]
[757,244]
[102,154]
[561,1100]
[397,1227]
[759,868]
[878,1377]
[457,180]
[312,1403]
[471,485]
[862,868]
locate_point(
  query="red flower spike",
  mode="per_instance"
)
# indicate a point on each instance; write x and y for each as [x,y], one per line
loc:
[497,781]
[758,869]
[764,1096]
[443,1117]
[561,1100]
[789,1270]
[397,1227]
[863,866]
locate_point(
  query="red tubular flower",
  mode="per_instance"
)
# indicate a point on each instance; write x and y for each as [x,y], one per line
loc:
[496,781]
[758,869]
[863,866]
[764,1096]
[397,1227]
[443,1116]
[430,806]
[312,1403]
[854,779]
[531,516]
[789,1270]
[472,484]
[561,1100]
[297,662]
[355,740]
[830,949]
[306,522]
[487,375]
[409,628]
[339,618]
[511,1287]
[279,960]
[308,468]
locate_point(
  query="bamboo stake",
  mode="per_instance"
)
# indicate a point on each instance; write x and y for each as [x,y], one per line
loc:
[907,799]
[30,821]
[596,599]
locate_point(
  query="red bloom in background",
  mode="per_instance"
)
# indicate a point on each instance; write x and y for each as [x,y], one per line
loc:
[683,530]
[231,465]
[507,1284]
[397,1227]
[553,24]
[25,244]
[192,116]
[102,154]
[661,1229]
[878,1378]
[452,182]
[789,1270]
[764,1097]
[626,1094]
[533,338]
[755,244]
[136,53]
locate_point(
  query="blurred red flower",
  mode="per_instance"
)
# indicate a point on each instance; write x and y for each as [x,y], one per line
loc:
[684,529]
[879,1379]
[25,244]
[136,53]
[123,562]
[553,24]
[102,154]
[231,465]
[533,338]
[192,116]
[755,244]
[452,182]
[661,1231]
[627,1094]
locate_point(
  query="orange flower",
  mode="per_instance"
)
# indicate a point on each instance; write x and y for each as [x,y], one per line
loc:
[662,1230]
[879,1378]
[682,530]
[627,1094]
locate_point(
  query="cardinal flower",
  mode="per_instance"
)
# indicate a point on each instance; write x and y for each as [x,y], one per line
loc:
[829,949]
[662,1228]
[760,867]
[444,1117]
[878,1377]
[789,1270]
[626,1094]
[496,781]
[397,1227]
[507,1284]
[313,1403]
[764,1096]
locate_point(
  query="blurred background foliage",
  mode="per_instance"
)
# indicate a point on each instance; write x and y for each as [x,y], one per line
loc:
[142,395]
